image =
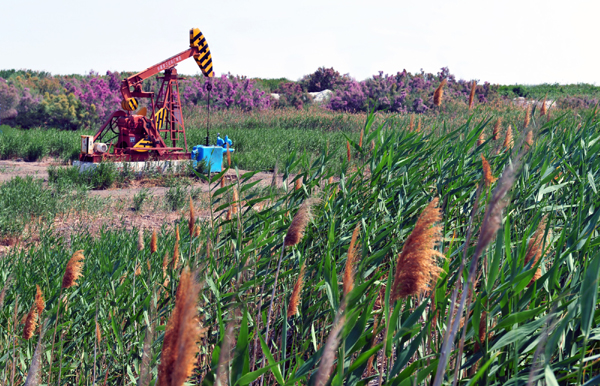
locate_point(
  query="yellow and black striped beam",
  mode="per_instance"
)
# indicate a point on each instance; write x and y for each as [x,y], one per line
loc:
[203,58]
[130,104]
[160,115]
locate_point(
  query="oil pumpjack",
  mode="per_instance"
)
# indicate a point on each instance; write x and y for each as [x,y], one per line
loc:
[140,137]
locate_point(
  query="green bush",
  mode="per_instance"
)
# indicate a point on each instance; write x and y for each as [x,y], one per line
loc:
[140,197]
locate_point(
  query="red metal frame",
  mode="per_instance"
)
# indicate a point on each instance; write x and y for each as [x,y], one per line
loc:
[130,128]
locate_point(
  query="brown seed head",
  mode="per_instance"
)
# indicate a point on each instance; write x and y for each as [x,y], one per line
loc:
[182,334]
[222,182]
[534,248]
[298,184]
[175,260]
[98,333]
[488,177]
[360,141]
[481,139]
[177,237]
[330,181]
[529,140]
[508,139]
[411,125]
[192,219]
[544,109]
[416,267]
[295,298]
[196,231]
[419,126]
[228,156]
[349,155]
[40,303]
[527,117]
[439,93]
[140,241]
[472,95]
[153,247]
[496,133]
[235,199]
[30,323]
[299,223]
[73,270]
[138,269]
[348,282]
[165,263]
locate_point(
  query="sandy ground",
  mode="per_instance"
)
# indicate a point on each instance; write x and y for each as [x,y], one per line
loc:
[118,212]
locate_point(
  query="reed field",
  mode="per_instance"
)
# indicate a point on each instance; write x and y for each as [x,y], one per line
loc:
[465,251]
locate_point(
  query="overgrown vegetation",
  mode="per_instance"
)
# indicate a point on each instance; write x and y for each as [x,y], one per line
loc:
[27,203]
[502,291]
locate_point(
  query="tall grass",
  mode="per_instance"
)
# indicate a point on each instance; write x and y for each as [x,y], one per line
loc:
[543,330]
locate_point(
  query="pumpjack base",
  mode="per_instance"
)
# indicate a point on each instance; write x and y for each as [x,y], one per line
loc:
[133,157]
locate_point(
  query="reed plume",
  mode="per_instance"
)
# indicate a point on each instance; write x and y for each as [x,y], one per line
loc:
[416,267]
[30,323]
[535,247]
[140,241]
[472,95]
[182,333]
[298,184]
[488,177]
[527,117]
[235,199]
[228,156]
[153,246]
[298,225]
[98,333]
[295,298]
[360,141]
[196,231]
[349,155]
[508,139]
[33,374]
[192,219]
[138,269]
[411,125]
[439,93]
[419,126]
[496,132]
[529,140]
[330,349]
[227,217]
[481,139]
[481,335]
[330,180]
[73,270]
[544,109]
[348,282]
[40,303]
[165,263]
[177,237]
[223,181]
[175,260]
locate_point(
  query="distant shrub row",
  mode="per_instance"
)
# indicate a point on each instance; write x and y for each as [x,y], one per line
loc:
[33,99]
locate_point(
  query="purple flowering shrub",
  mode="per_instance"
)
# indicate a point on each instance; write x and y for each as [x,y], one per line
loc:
[228,92]
[292,95]
[402,92]
[323,79]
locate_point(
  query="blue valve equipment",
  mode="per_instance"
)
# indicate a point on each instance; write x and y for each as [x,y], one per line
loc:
[212,155]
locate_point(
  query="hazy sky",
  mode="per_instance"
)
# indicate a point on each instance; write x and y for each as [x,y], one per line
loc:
[524,41]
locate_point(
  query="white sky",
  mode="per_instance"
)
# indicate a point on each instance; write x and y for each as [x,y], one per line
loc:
[522,41]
